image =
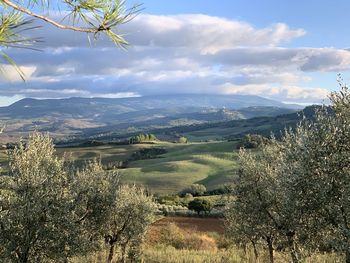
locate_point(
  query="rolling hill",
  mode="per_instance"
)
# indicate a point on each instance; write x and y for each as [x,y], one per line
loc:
[83,117]
[220,130]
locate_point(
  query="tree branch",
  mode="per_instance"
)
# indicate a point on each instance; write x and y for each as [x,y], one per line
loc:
[56,24]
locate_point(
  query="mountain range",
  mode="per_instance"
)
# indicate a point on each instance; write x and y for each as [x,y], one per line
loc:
[88,116]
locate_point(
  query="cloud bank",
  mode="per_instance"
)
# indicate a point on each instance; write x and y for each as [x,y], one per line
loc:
[175,54]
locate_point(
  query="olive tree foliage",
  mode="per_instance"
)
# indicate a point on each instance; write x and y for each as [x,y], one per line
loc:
[127,223]
[35,205]
[94,195]
[297,189]
[317,175]
[332,194]
[93,17]
[274,195]
[49,211]
[254,214]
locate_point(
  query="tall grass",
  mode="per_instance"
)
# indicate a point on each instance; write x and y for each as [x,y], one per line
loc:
[171,255]
[161,254]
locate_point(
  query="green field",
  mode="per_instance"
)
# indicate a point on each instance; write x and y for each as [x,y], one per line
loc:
[212,164]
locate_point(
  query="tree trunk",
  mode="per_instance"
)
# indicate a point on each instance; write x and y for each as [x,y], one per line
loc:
[292,248]
[270,247]
[22,257]
[347,255]
[111,253]
[256,253]
[124,255]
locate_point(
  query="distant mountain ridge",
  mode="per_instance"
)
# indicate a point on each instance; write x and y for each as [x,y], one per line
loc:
[264,125]
[84,107]
[76,115]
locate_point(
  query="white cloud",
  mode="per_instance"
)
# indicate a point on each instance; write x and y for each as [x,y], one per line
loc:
[177,54]
[290,93]
[207,34]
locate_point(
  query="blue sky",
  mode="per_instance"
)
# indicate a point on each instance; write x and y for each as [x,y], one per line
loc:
[324,20]
[290,51]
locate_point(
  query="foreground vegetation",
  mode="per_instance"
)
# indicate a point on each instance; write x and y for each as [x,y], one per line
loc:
[289,202]
[50,211]
[293,194]
[197,240]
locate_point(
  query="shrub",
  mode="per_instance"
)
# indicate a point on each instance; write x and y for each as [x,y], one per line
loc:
[171,235]
[200,205]
[194,190]
[147,153]
[143,137]
[251,141]
[182,139]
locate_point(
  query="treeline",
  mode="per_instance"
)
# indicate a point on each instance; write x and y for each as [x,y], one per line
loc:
[294,193]
[52,212]
[147,153]
[142,137]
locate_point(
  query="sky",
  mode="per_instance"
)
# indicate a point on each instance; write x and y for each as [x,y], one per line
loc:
[290,51]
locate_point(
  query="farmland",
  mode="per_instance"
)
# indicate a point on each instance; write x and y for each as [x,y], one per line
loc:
[209,163]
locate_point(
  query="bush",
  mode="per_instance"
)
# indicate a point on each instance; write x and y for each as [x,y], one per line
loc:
[143,137]
[226,189]
[182,139]
[251,141]
[171,235]
[200,205]
[194,190]
[147,153]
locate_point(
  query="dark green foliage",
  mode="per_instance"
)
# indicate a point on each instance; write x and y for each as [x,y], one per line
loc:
[200,205]
[251,141]
[194,190]
[11,145]
[143,137]
[91,143]
[219,191]
[147,153]
[171,200]
[117,164]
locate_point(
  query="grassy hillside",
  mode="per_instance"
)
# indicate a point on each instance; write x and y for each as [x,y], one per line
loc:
[211,164]
[236,129]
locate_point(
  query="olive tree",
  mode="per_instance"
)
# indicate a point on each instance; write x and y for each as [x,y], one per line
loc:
[300,189]
[254,211]
[48,211]
[326,170]
[127,222]
[36,220]
[316,175]
[94,192]
[336,170]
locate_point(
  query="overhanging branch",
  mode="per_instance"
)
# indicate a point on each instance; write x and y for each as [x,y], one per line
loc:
[52,22]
